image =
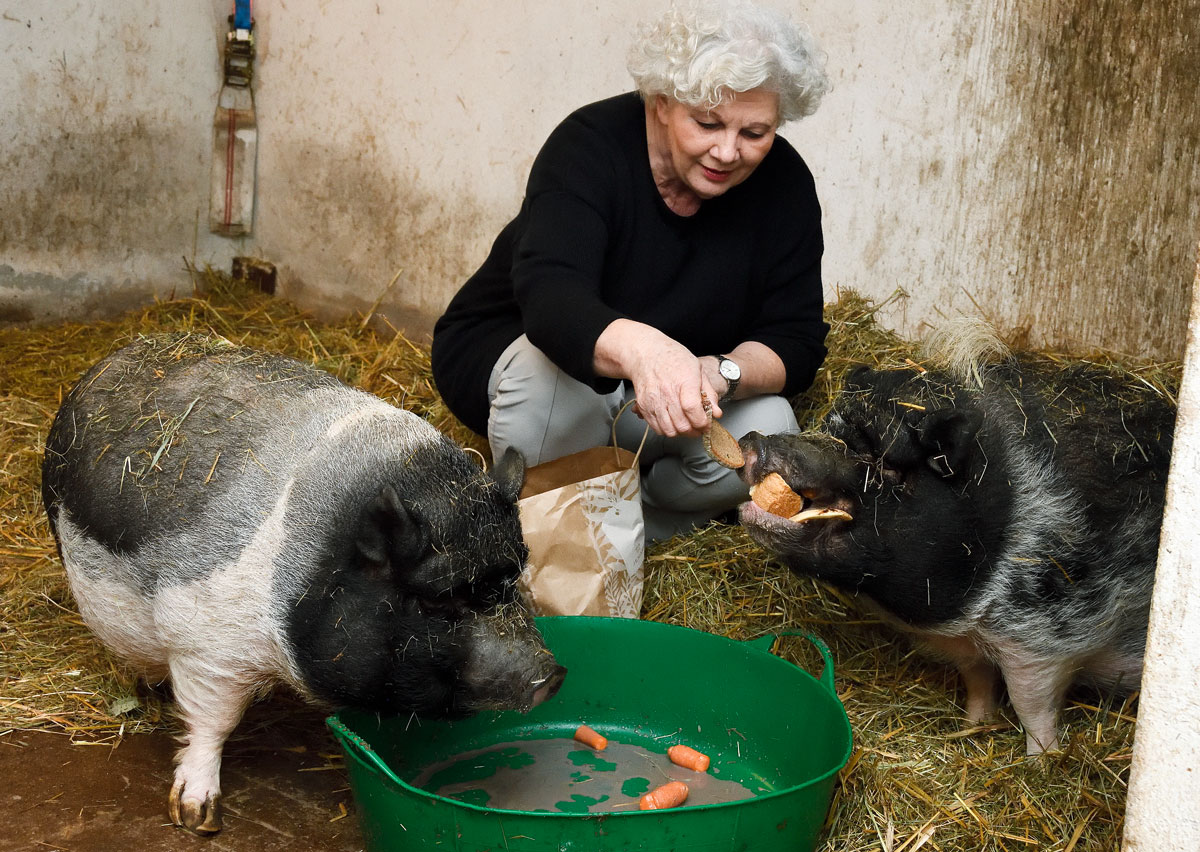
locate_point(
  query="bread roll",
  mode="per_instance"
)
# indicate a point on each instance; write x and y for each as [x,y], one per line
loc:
[773,495]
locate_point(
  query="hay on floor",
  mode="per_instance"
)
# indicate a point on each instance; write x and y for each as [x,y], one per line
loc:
[919,778]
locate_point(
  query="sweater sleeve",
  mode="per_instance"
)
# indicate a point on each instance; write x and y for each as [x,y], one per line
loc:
[790,318]
[558,261]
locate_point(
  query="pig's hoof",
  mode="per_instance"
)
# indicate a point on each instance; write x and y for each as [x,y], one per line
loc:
[196,815]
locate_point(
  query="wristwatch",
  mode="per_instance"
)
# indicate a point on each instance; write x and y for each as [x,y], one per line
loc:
[730,372]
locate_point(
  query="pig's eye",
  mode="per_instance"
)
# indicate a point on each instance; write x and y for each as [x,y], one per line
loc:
[891,475]
[442,607]
[490,591]
[857,441]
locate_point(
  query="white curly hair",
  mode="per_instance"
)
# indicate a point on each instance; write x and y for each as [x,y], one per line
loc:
[703,52]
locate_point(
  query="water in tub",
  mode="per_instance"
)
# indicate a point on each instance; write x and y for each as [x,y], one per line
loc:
[561,775]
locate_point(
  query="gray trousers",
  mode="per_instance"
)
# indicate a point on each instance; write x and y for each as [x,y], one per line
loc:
[546,414]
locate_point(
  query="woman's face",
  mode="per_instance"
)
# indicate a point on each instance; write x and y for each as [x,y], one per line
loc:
[713,150]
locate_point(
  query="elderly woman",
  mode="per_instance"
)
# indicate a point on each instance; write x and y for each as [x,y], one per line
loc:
[668,252]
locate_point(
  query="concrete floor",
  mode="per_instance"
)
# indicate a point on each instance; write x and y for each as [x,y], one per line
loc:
[283,785]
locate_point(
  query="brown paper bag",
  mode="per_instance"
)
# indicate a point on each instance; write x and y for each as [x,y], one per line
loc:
[582,519]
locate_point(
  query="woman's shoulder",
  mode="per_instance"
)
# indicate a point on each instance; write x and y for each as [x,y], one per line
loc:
[785,163]
[782,181]
[615,122]
[616,113]
[605,135]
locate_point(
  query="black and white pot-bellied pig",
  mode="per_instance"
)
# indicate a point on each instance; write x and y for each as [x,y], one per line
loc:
[1007,515]
[231,519]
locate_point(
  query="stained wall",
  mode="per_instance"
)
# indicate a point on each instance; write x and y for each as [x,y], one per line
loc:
[1035,162]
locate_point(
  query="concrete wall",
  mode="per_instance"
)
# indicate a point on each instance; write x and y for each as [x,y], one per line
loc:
[1036,162]
[1163,808]
[105,133]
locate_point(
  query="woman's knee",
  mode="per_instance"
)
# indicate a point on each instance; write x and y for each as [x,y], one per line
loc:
[539,409]
[769,415]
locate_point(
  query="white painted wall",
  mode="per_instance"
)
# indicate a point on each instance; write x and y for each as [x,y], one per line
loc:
[414,160]
[1163,808]
[1036,160]
[105,133]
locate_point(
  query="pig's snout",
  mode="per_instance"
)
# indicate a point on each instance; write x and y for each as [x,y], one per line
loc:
[508,667]
[545,688]
[751,446]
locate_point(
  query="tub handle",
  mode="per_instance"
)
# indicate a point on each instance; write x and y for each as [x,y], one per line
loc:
[766,642]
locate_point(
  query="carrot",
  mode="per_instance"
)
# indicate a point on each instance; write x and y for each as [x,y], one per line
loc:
[669,795]
[590,738]
[688,758]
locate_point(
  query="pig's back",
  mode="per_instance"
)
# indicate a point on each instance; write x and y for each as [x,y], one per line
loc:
[189,439]
[1086,456]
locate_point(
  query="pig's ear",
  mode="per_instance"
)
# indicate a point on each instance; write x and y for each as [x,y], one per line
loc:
[388,532]
[946,436]
[859,374]
[509,473]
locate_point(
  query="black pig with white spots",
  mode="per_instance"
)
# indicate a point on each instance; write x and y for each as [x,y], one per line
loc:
[1007,515]
[231,519]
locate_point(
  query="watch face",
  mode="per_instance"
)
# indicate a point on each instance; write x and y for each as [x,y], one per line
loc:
[730,370]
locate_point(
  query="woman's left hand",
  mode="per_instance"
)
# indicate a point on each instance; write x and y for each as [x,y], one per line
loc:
[669,381]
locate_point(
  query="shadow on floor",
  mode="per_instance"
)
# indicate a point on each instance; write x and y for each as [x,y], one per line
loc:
[282,779]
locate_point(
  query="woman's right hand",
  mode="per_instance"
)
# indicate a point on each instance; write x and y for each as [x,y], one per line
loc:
[669,381]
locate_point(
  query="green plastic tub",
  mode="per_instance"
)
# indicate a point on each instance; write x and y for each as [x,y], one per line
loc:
[766,724]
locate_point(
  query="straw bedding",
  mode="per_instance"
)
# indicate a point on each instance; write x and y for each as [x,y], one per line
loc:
[919,778]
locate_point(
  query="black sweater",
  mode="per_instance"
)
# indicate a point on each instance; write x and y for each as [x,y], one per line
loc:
[594,242]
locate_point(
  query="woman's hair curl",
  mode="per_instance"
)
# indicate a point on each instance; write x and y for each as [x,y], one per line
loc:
[702,53]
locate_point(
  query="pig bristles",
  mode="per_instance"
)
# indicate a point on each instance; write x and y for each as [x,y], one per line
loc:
[963,347]
[919,777]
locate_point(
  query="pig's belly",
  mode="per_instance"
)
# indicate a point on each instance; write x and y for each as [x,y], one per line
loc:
[121,615]
[224,618]
[1114,669]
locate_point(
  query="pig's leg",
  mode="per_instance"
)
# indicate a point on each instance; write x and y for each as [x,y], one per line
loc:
[1036,689]
[980,678]
[210,709]
[979,673]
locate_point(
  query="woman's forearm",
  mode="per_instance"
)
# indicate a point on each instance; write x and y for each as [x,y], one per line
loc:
[762,370]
